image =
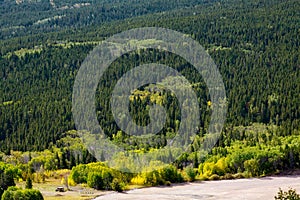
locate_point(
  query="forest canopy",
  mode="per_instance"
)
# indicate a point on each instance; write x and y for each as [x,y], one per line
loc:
[255,45]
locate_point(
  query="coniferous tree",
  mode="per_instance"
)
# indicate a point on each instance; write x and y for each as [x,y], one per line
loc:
[28,183]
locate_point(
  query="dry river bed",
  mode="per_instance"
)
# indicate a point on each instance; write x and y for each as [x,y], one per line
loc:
[252,189]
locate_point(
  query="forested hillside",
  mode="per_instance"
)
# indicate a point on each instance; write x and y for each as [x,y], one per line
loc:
[255,45]
[27,17]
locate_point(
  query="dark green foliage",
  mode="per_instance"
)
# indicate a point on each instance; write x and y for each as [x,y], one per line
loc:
[190,173]
[107,179]
[72,161]
[95,180]
[171,174]
[15,193]
[100,181]
[28,183]
[6,180]
[255,45]
[154,178]
[116,185]
[63,161]
[195,161]
[104,181]
[79,174]
[214,177]
[291,194]
[273,156]
[257,56]
[28,17]
[7,174]
[163,176]
[97,175]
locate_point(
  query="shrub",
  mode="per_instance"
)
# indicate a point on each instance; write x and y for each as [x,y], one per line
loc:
[209,168]
[171,174]
[163,176]
[203,177]
[116,185]
[15,193]
[138,180]
[107,178]
[288,195]
[221,166]
[239,175]
[190,173]
[153,178]
[28,183]
[6,179]
[95,180]
[228,176]
[79,174]
[214,177]
[252,167]
[97,175]
[71,182]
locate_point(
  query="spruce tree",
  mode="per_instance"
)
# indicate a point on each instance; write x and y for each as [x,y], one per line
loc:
[28,183]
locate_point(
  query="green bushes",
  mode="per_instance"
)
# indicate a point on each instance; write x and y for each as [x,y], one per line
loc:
[95,180]
[228,176]
[170,173]
[117,185]
[98,176]
[15,193]
[243,160]
[79,174]
[214,177]
[252,167]
[163,176]
[287,195]
[154,178]
[28,183]
[239,175]
[7,174]
[104,181]
[190,173]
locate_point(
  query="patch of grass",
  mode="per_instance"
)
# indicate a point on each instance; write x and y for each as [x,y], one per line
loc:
[21,52]
[69,197]
[67,45]
[48,191]
[217,48]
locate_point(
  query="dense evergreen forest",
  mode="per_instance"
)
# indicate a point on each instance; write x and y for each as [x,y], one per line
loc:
[255,45]
[48,16]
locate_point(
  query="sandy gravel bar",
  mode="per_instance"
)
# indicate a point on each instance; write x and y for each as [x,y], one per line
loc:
[256,188]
